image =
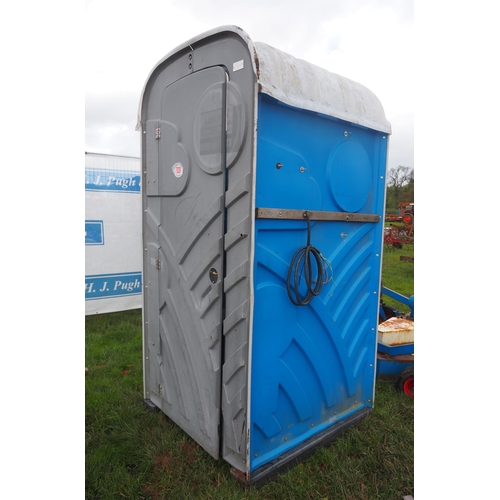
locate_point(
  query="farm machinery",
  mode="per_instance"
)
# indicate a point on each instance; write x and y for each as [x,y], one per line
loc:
[397,235]
[395,347]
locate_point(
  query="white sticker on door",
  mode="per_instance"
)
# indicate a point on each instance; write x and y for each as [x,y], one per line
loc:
[238,65]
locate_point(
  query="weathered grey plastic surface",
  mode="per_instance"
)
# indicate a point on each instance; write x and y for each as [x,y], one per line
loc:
[196,225]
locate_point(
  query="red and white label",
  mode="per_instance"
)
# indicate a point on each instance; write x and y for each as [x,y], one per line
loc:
[178,170]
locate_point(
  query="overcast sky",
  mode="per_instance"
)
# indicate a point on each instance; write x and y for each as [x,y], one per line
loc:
[371,42]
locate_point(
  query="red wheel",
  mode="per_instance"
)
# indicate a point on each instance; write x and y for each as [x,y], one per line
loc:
[408,387]
[404,382]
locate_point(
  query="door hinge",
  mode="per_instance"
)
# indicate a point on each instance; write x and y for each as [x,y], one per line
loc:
[159,390]
[158,133]
[158,264]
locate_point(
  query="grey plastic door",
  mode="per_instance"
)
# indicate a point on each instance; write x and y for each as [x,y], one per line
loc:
[184,265]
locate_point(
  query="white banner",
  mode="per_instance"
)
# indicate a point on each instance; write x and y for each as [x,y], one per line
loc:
[113,250]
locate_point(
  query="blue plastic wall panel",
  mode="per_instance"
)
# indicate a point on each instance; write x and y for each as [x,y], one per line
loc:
[313,366]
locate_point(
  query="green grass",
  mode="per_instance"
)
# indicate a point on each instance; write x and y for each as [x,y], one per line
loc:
[397,274]
[135,454]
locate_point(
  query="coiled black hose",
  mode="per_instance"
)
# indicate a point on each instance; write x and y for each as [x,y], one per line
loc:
[304,254]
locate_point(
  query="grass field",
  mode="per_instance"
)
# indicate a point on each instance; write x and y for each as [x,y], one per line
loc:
[136,454]
[397,274]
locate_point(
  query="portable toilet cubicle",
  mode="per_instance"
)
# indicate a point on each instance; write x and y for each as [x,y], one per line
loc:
[247,155]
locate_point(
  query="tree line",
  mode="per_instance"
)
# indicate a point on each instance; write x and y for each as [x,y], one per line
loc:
[400,187]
